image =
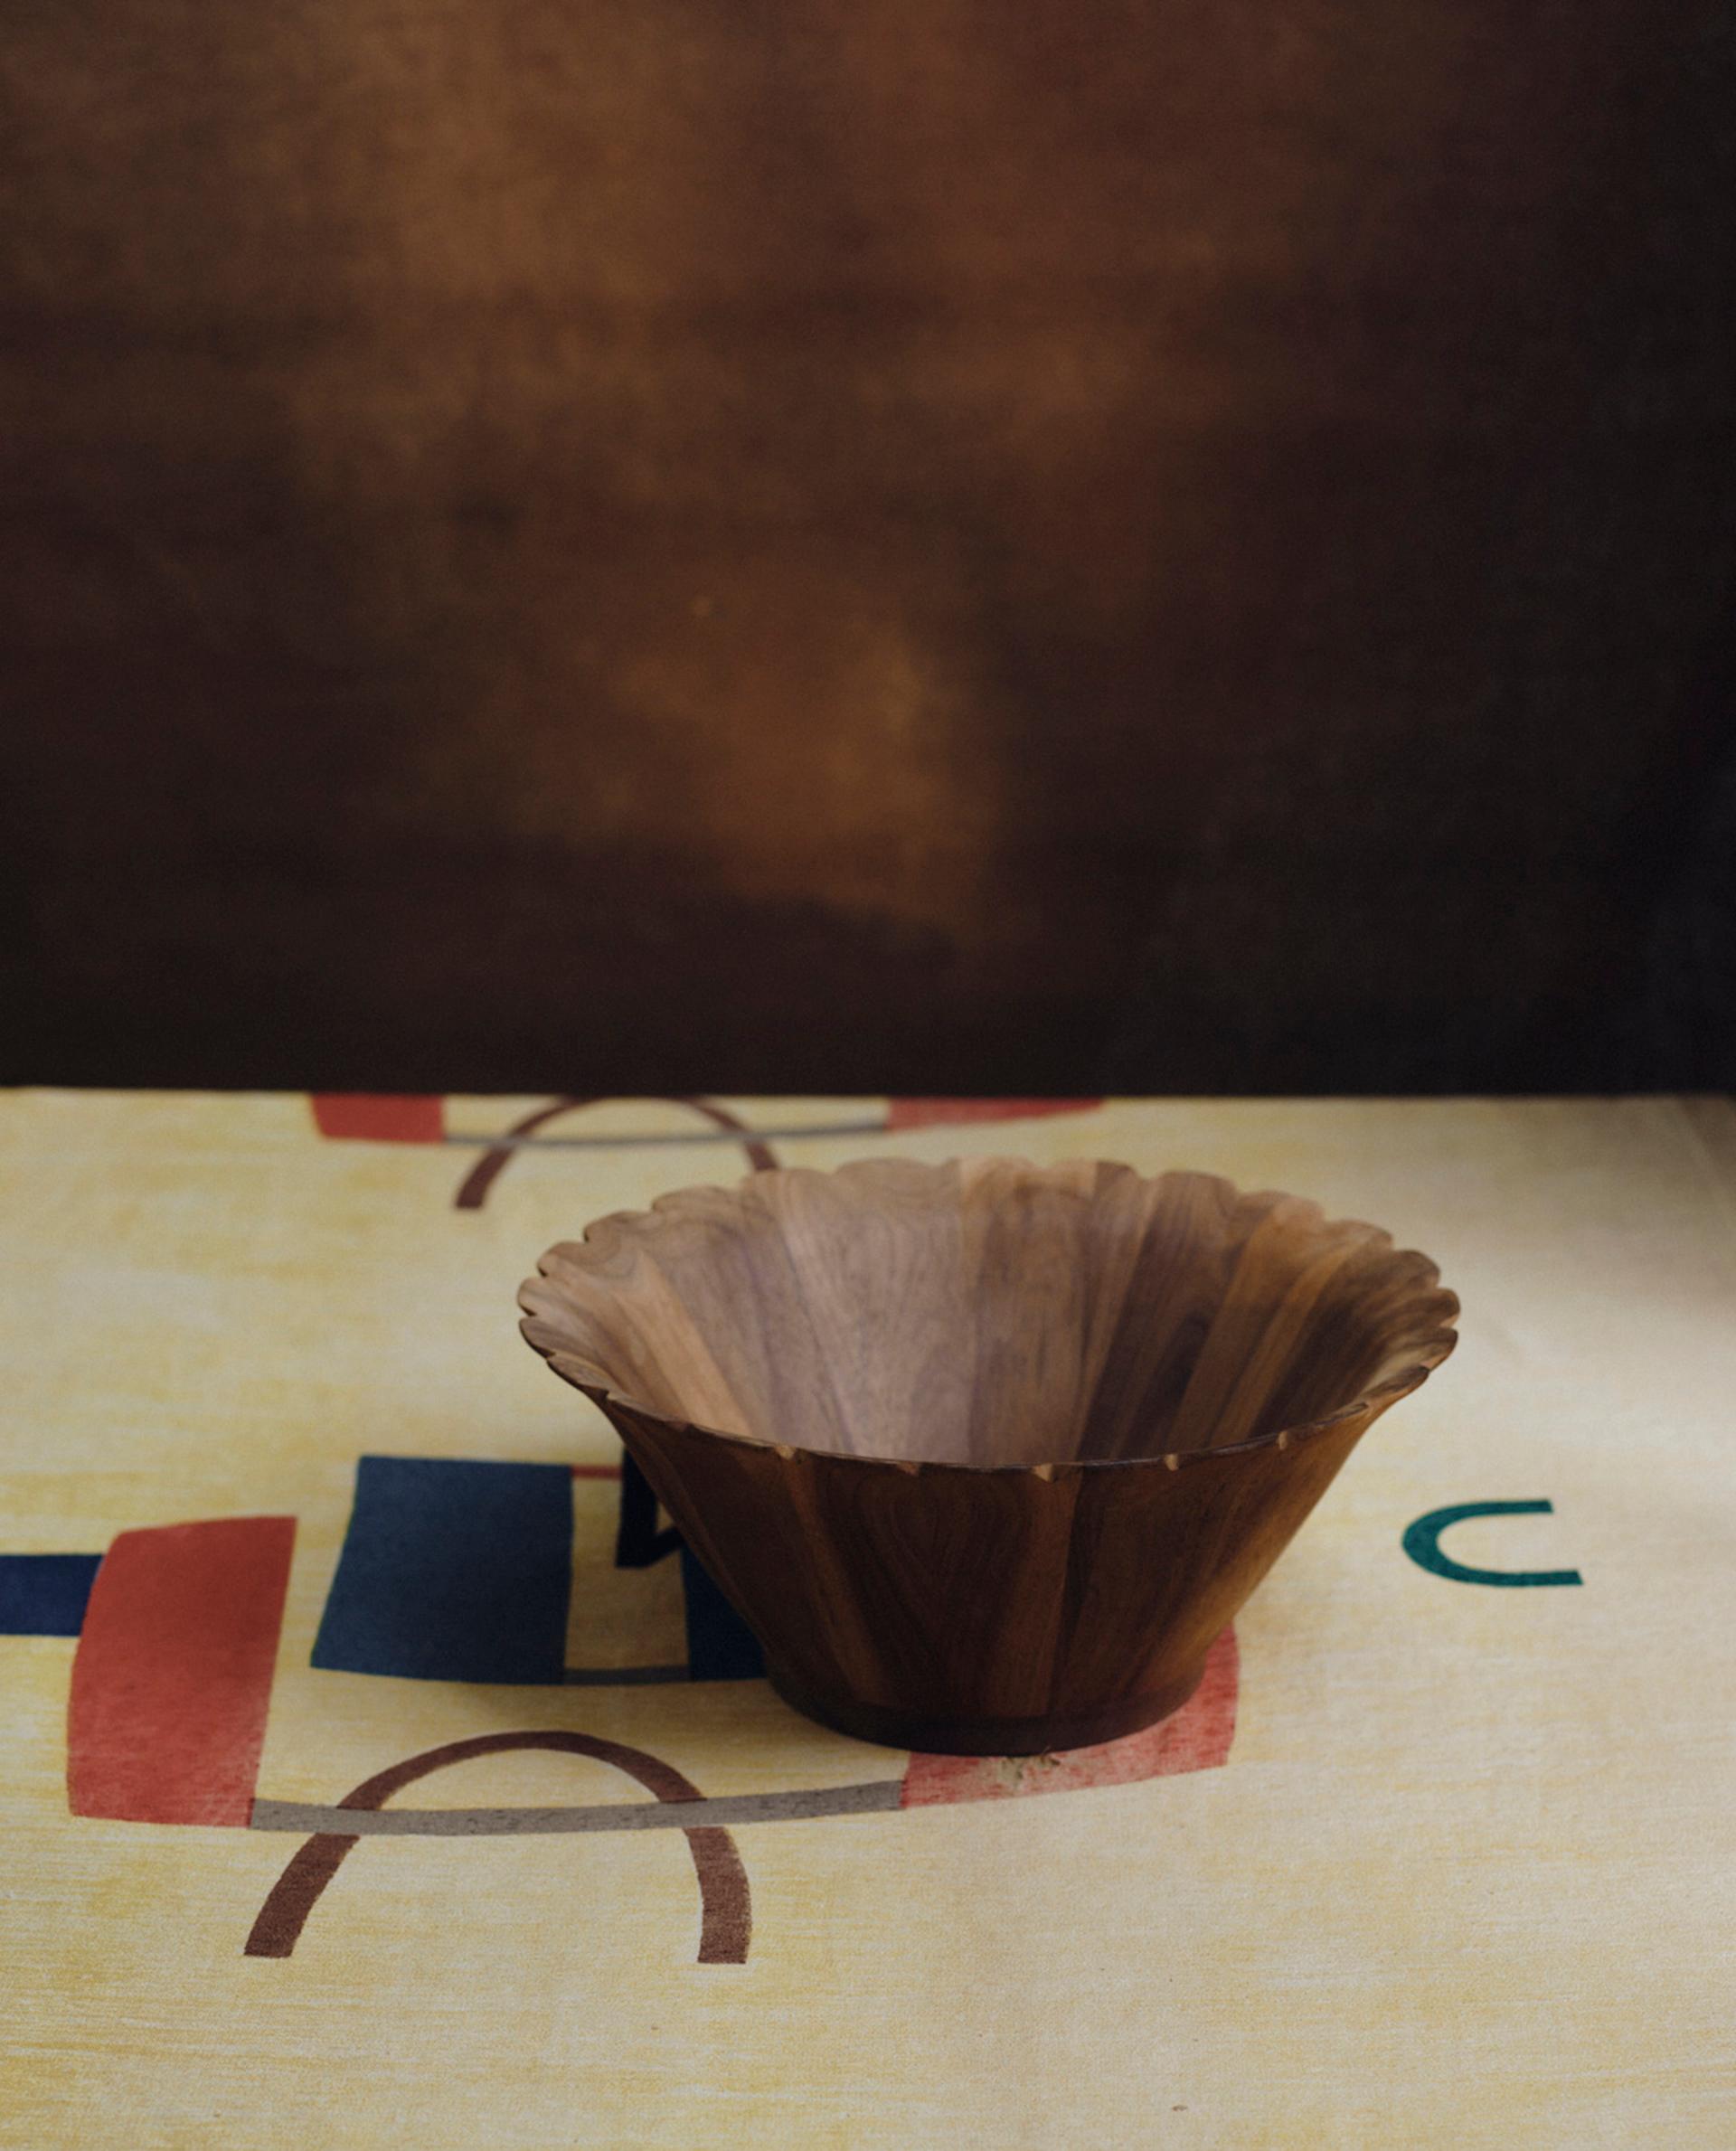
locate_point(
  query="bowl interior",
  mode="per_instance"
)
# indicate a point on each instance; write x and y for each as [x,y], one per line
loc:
[989,1312]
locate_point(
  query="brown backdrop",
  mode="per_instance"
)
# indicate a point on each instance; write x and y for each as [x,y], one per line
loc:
[896,544]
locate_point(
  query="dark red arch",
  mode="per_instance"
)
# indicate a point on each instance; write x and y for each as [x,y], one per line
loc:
[726,1910]
[473,1191]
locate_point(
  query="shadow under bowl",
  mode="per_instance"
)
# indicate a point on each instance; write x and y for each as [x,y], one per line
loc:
[988,1454]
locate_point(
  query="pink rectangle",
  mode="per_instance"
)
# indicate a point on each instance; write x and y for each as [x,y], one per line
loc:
[172,1679]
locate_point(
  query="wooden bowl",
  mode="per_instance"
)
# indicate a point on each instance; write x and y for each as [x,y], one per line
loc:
[988,1454]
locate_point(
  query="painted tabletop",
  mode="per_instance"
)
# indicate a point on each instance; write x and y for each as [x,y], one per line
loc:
[379,1769]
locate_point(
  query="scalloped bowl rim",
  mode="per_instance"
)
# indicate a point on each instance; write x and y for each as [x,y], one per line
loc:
[1438,1346]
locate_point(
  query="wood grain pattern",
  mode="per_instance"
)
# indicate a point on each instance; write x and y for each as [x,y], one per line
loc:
[988,1454]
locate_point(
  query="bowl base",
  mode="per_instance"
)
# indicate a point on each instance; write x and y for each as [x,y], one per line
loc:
[988,1736]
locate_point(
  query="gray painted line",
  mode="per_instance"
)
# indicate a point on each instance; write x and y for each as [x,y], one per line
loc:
[686,1134]
[621,1676]
[305,1818]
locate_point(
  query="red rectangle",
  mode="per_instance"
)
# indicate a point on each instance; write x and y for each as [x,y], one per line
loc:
[1198,1737]
[375,1117]
[172,1680]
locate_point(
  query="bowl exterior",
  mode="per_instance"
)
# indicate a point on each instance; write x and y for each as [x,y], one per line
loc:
[986,1612]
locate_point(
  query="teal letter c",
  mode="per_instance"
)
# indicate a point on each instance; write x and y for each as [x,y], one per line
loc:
[1422,1543]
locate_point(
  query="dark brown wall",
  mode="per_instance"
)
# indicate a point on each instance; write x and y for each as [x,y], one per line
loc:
[901,544]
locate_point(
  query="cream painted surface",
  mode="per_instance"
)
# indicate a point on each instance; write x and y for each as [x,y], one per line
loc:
[1468,1879]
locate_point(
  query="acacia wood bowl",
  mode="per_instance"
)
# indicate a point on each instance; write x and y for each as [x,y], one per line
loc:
[988,1454]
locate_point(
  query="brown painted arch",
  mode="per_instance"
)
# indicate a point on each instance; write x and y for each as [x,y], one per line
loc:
[473,1191]
[726,1910]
